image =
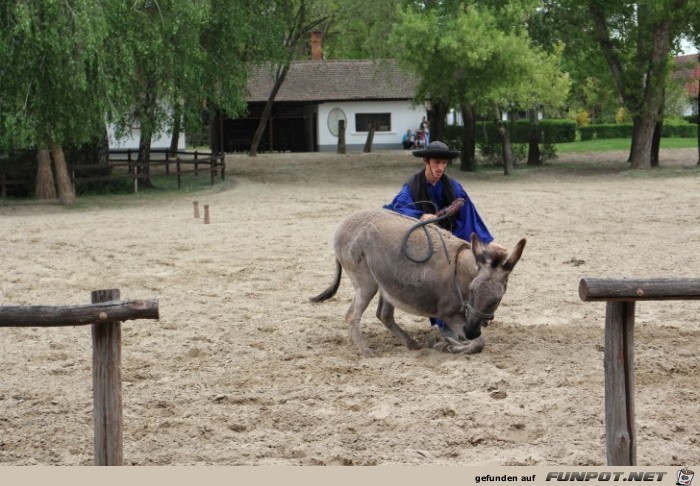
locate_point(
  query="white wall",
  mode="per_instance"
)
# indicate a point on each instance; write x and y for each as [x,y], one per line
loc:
[403,117]
[132,140]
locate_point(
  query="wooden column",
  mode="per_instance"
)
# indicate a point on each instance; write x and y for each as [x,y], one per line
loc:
[621,441]
[342,149]
[107,386]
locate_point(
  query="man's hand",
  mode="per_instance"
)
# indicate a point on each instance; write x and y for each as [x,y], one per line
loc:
[427,216]
[496,246]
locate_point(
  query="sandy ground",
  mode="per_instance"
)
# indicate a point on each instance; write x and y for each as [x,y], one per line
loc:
[242,370]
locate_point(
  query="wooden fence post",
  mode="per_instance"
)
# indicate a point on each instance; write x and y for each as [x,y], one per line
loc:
[107,386]
[620,436]
[179,174]
[342,148]
[621,296]
[207,219]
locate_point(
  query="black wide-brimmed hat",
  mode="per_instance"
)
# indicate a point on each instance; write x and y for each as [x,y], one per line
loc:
[436,150]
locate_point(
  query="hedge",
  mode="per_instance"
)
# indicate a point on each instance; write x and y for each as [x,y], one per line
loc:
[553,131]
[624,130]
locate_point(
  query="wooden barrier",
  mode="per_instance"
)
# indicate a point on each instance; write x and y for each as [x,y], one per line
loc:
[105,315]
[127,158]
[621,296]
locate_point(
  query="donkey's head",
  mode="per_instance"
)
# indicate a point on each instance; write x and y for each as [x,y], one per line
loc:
[493,266]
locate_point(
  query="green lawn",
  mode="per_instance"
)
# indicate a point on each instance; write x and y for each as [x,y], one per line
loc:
[603,145]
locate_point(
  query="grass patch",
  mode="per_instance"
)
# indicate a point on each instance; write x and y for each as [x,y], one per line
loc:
[610,144]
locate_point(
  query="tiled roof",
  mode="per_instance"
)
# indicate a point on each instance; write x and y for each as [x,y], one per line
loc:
[335,81]
[688,70]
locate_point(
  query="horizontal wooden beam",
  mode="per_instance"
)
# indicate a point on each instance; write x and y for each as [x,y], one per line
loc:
[596,289]
[77,315]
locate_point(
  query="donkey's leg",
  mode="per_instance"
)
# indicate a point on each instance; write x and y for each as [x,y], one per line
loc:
[365,289]
[385,313]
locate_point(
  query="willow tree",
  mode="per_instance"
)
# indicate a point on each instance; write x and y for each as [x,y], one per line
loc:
[55,83]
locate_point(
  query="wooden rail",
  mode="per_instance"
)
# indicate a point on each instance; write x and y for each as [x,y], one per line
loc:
[128,159]
[105,314]
[620,297]
[185,163]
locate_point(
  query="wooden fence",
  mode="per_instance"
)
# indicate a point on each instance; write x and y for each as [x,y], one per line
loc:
[105,315]
[179,163]
[123,165]
[620,297]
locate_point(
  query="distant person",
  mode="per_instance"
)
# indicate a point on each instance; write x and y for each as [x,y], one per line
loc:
[425,128]
[409,139]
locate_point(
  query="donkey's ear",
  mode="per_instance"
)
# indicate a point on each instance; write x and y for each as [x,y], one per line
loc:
[478,250]
[514,255]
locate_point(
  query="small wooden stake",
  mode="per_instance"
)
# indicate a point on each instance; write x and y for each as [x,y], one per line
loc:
[207,220]
[196,209]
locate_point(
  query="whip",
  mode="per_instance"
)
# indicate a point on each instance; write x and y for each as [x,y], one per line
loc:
[447,212]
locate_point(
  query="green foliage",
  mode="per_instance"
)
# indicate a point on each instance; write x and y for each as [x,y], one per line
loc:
[669,129]
[674,129]
[56,79]
[552,130]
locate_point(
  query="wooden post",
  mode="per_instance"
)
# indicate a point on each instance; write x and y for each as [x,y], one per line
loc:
[179,175]
[3,187]
[167,163]
[621,443]
[222,164]
[342,149]
[207,220]
[212,168]
[370,139]
[196,164]
[107,386]
[196,209]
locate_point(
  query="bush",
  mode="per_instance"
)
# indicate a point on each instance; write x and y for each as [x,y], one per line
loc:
[679,129]
[492,152]
[624,130]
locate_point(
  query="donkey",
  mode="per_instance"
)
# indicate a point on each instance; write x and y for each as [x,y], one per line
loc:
[463,288]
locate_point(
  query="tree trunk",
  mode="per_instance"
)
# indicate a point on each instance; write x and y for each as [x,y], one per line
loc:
[697,105]
[177,123]
[437,123]
[66,195]
[533,153]
[656,143]
[468,162]
[640,158]
[143,163]
[370,139]
[45,187]
[635,123]
[505,142]
[279,80]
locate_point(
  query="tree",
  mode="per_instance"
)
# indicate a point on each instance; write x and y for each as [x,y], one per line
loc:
[635,38]
[56,82]
[296,21]
[359,29]
[478,55]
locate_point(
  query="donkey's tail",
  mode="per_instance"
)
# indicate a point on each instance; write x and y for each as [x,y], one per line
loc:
[330,291]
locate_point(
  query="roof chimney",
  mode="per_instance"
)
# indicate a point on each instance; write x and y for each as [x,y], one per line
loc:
[317,45]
